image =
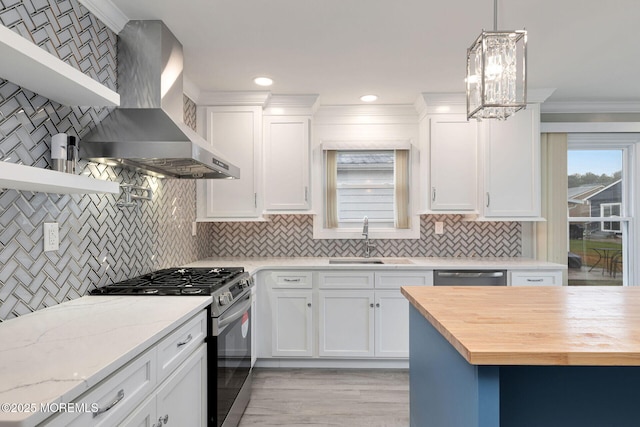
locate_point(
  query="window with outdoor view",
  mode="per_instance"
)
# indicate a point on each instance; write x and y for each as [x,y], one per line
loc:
[371,183]
[596,207]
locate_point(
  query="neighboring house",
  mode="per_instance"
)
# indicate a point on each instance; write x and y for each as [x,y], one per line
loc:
[608,202]
[595,200]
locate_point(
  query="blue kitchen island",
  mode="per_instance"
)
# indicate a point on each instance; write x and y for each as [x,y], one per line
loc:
[524,356]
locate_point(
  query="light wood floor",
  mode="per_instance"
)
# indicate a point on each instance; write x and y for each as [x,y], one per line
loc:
[328,397]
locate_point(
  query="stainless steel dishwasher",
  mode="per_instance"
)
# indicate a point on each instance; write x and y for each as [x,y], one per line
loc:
[470,278]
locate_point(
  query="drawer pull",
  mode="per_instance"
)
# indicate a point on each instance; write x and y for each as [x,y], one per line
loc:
[535,280]
[291,280]
[110,405]
[161,420]
[185,342]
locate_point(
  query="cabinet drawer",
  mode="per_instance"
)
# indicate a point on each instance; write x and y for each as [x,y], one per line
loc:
[114,398]
[536,278]
[289,279]
[179,344]
[405,278]
[346,280]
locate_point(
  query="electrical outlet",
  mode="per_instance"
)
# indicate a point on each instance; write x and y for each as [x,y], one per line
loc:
[51,236]
[439,229]
[194,228]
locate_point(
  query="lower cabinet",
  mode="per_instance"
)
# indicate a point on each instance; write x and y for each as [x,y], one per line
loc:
[535,278]
[346,323]
[335,314]
[292,322]
[363,324]
[181,400]
[391,324]
[165,385]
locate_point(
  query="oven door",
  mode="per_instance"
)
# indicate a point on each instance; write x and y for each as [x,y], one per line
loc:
[233,362]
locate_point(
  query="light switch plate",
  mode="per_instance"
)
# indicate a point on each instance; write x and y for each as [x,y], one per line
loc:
[194,228]
[51,236]
[439,229]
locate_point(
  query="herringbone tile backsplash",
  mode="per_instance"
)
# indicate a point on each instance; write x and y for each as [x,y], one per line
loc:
[99,243]
[292,236]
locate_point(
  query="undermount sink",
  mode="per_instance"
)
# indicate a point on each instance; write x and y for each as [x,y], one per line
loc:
[356,261]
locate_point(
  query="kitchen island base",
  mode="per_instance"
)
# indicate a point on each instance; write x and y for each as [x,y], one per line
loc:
[448,391]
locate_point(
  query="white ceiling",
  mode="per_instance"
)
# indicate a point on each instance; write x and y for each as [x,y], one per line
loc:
[341,49]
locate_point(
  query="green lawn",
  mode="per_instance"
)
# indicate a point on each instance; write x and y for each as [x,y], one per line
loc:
[584,248]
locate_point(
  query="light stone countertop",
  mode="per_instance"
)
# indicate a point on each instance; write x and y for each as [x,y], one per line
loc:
[255,264]
[56,354]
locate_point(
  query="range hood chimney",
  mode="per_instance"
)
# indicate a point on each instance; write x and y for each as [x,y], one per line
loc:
[147,132]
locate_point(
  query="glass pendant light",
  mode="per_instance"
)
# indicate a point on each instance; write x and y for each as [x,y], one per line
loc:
[496,73]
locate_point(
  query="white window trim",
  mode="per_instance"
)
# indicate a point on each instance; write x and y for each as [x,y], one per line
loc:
[614,218]
[630,144]
[319,232]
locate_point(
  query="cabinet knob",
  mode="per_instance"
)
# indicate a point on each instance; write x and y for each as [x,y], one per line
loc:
[308,304]
[378,304]
[371,305]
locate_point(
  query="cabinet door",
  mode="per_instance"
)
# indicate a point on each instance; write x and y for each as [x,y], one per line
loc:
[346,322]
[182,398]
[512,165]
[391,324]
[143,416]
[292,323]
[237,133]
[454,145]
[286,160]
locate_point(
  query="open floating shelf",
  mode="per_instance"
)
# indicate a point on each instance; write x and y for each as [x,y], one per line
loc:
[29,178]
[35,69]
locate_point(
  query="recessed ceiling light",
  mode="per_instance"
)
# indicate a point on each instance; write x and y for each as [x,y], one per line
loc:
[368,98]
[263,81]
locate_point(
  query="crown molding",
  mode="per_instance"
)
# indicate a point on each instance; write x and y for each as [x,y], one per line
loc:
[366,114]
[590,107]
[107,12]
[234,98]
[291,105]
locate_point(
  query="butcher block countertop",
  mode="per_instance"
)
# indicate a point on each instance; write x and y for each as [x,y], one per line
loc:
[505,325]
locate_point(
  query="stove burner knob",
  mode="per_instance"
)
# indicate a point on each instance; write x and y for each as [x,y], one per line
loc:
[225,298]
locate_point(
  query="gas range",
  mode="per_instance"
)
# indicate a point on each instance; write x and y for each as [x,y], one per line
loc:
[224,284]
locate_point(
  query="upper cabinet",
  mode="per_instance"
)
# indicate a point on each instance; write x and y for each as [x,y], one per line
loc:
[511,166]
[270,142]
[35,69]
[236,132]
[453,143]
[489,169]
[286,163]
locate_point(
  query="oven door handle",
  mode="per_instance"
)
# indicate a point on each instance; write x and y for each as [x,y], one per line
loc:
[236,314]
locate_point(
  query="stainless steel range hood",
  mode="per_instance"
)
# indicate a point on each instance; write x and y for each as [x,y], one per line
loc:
[147,133]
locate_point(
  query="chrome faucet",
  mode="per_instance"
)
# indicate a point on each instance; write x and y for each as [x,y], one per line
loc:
[365,233]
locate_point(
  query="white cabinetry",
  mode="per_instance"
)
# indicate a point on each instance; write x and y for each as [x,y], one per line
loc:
[535,278]
[355,322]
[511,169]
[237,133]
[285,310]
[292,322]
[168,380]
[180,400]
[453,143]
[286,160]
